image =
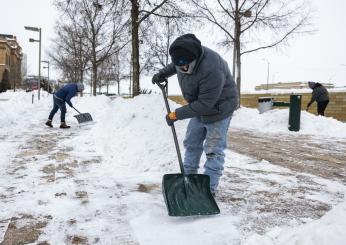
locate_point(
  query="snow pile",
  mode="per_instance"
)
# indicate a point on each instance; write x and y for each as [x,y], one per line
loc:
[135,111]
[131,132]
[15,106]
[330,229]
[276,122]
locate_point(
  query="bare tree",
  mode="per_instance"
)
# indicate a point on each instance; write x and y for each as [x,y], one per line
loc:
[120,67]
[159,38]
[141,11]
[107,73]
[70,52]
[103,23]
[253,25]
[114,69]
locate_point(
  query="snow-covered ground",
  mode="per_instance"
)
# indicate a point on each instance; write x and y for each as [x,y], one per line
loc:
[100,182]
[276,122]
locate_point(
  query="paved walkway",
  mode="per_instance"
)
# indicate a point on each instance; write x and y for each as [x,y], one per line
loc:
[264,195]
[45,175]
[324,157]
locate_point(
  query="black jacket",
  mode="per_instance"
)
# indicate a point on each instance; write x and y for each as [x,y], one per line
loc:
[319,93]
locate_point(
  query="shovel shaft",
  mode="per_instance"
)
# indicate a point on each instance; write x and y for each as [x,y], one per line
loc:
[76,110]
[163,89]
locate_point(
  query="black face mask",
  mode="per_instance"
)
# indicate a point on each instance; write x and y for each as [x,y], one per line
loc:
[190,68]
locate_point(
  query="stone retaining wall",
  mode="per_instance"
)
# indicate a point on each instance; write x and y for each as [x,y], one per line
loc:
[336,107]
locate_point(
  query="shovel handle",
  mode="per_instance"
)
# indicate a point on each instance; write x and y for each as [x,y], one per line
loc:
[164,93]
[76,110]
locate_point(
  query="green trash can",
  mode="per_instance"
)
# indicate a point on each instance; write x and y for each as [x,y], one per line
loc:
[294,115]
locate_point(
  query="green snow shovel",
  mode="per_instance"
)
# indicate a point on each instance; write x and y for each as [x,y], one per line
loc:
[190,194]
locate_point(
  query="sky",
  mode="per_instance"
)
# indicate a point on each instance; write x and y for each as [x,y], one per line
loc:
[318,57]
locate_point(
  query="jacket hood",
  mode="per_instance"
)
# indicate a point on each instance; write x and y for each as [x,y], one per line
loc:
[311,84]
[80,87]
[184,45]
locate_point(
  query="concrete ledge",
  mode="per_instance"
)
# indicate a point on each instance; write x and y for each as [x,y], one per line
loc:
[336,107]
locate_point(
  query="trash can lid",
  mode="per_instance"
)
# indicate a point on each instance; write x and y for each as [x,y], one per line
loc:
[265,99]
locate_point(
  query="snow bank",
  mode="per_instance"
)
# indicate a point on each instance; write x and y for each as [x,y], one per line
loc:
[330,229]
[130,132]
[276,122]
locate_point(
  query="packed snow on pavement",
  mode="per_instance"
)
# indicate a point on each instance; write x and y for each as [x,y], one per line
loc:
[100,182]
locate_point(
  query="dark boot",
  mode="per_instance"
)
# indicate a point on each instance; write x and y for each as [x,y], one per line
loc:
[63,125]
[49,123]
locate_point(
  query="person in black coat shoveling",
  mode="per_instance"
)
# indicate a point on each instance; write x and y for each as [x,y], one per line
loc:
[209,88]
[320,95]
[63,95]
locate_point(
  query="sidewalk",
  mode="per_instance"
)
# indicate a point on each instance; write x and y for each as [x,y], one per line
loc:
[50,195]
[323,157]
[281,180]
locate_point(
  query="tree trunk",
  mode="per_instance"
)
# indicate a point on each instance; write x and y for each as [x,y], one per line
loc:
[237,50]
[238,66]
[118,80]
[239,73]
[81,79]
[135,47]
[118,72]
[94,79]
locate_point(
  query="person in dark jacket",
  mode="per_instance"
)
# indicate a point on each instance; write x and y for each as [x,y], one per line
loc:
[63,95]
[209,88]
[320,95]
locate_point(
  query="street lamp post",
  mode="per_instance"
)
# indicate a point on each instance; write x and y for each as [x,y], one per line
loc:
[268,69]
[36,29]
[46,67]
[273,77]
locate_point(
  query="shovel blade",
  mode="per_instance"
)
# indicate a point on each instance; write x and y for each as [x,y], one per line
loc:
[83,117]
[188,195]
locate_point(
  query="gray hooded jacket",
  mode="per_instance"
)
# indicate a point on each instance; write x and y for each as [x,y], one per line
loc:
[210,89]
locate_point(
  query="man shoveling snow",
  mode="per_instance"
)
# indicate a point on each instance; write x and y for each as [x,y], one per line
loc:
[63,95]
[208,87]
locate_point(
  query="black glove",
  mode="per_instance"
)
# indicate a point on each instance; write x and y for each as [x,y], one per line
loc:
[171,118]
[158,78]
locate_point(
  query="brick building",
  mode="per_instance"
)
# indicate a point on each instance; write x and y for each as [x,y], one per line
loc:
[10,62]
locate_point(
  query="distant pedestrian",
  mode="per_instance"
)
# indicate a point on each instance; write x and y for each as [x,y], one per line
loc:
[320,95]
[63,95]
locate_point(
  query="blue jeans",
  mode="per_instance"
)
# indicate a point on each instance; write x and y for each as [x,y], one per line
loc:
[58,104]
[212,138]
